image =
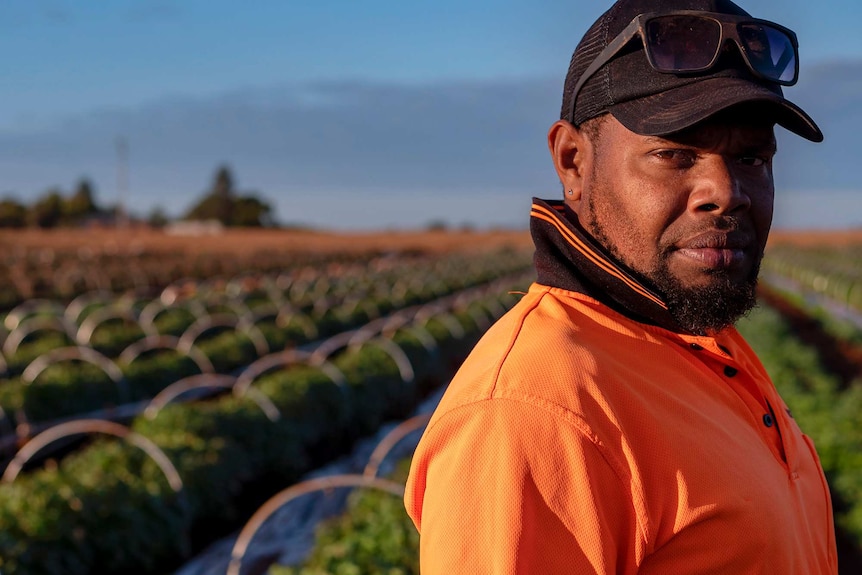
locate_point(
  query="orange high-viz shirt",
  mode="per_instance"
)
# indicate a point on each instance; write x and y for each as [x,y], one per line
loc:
[575,440]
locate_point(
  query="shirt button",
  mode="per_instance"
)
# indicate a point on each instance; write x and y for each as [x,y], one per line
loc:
[730,371]
[767,420]
[695,347]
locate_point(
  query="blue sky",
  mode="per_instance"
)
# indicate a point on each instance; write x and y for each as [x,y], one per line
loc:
[79,74]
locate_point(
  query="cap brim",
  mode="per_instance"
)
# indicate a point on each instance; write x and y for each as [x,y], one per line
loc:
[674,110]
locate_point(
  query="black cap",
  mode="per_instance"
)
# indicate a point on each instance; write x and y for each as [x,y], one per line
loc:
[655,103]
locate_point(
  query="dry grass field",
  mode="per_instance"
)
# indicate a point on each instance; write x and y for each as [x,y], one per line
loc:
[256,240]
[817,237]
[248,241]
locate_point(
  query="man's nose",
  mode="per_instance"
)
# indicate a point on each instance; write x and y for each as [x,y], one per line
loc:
[719,188]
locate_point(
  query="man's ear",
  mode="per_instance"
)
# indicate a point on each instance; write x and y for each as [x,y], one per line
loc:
[571,152]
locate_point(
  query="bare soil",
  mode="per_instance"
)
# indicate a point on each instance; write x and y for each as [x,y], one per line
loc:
[256,240]
[252,240]
[816,237]
[842,358]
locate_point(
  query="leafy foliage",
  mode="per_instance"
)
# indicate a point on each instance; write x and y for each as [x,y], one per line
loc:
[52,209]
[223,204]
[825,412]
[106,505]
[373,535]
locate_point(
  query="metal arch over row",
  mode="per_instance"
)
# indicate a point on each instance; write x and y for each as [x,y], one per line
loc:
[368,479]
[209,381]
[81,353]
[81,426]
[167,343]
[284,359]
[388,328]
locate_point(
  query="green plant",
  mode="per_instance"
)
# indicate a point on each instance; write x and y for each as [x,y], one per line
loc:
[373,536]
[825,412]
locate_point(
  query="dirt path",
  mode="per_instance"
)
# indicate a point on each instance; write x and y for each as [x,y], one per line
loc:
[842,358]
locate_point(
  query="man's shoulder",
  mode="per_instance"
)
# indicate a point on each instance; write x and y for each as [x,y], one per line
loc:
[541,350]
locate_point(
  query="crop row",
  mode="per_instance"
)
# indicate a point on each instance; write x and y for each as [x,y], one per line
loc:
[835,332]
[132,353]
[374,534]
[106,321]
[833,271]
[63,274]
[109,508]
[825,409]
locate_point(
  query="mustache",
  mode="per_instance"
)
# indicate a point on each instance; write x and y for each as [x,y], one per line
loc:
[724,231]
[727,223]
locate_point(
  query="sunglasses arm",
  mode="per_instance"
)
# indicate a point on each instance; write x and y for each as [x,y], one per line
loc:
[604,57]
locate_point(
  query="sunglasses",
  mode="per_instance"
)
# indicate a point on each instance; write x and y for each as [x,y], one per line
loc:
[688,41]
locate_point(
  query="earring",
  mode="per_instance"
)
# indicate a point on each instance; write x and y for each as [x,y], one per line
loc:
[571,193]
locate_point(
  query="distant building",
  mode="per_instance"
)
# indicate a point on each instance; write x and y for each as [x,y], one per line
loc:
[194,228]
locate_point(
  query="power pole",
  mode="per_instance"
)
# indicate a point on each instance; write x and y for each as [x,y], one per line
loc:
[122,181]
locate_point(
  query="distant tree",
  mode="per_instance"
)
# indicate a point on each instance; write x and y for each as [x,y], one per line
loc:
[47,212]
[217,202]
[158,218]
[12,214]
[224,204]
[437,226]
[207,208]
[250,211]
[223,182]
[222,191]
[52,209]
[81,204]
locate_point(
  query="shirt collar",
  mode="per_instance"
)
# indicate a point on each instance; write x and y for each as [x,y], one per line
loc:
[568,257]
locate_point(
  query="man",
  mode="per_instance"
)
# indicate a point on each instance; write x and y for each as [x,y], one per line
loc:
[614,421]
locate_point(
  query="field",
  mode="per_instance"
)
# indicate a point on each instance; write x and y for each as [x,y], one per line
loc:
[158,390]
[828,238]
[252,241]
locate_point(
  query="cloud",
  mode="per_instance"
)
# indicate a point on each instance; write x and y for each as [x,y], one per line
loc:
[328,137]
[831,93]
[358,134]
[369,154]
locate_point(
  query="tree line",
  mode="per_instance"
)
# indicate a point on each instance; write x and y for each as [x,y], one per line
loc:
[221,202]
[52,209]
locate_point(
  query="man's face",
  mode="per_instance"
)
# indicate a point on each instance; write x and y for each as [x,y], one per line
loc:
[690,212]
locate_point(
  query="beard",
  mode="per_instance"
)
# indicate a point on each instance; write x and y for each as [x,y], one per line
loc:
[699,309]
[704,310]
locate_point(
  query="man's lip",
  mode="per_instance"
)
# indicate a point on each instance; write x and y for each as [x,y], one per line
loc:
[717,240]
[716,250]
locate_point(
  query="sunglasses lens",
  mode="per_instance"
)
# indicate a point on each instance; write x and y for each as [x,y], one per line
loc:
[770,51]
[682,43]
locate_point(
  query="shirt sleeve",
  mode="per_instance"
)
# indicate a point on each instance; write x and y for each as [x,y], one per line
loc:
[507,487]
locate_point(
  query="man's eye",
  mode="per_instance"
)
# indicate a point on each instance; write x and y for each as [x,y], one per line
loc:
[753,161]
[682,158]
